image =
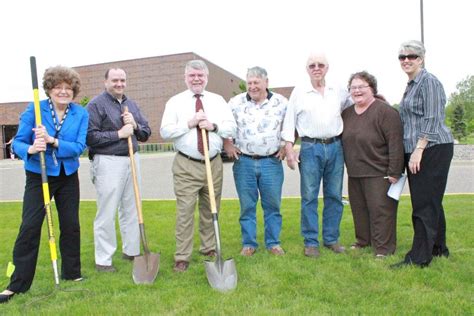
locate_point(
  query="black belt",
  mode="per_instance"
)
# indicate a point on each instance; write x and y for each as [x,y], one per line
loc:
[259,157]
[91,155]
[325,141]
[194,159]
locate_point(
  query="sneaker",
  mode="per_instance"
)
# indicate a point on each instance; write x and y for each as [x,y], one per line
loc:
[311,251]
[277,250]
[180,266]
[101,268]
[247,251]
[336,248]
[380,256]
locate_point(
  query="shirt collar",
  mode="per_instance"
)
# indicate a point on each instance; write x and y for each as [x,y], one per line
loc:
[419,76]
[111,97]
[269,95]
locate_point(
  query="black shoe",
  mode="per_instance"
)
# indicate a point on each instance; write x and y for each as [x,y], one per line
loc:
[399,265]
[404,263]
[6,297]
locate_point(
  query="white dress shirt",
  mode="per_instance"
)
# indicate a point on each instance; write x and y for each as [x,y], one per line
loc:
[182,107]
[314,115]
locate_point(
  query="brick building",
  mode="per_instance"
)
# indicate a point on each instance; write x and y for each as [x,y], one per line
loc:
[151,82]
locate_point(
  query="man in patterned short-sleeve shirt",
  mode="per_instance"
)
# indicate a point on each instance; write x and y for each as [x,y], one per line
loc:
[257,151]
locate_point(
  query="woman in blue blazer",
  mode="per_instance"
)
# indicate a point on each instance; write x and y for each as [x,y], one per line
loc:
[63,139]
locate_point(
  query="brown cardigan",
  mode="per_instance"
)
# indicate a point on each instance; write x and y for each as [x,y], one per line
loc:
[373,141]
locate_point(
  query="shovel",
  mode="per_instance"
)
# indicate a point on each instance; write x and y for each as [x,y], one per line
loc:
[44,176]
[221,274]
[145,267]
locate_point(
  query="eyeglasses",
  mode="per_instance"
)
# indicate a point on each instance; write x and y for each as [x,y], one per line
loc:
[410,57]
[354,88]
[61,88]
[319,65]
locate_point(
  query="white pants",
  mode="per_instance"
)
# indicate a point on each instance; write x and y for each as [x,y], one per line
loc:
[112,177]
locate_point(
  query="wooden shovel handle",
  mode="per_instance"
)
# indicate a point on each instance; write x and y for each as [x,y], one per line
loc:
[210,183]
[134,176]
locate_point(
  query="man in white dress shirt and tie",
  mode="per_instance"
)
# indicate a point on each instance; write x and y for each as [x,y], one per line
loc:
[185,115]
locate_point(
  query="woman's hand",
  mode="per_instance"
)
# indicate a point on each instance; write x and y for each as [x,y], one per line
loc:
[414,164]
[41,132]
[392,180]
[38,145]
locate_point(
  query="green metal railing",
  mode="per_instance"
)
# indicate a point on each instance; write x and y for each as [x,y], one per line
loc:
[148,148]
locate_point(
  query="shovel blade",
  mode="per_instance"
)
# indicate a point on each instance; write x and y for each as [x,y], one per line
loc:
[222,275]
[145,268]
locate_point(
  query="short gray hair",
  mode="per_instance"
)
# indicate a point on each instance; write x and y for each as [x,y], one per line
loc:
[196,64]
[258,72]
[414,46]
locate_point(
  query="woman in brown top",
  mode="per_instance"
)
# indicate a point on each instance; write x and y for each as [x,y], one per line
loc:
[373,152]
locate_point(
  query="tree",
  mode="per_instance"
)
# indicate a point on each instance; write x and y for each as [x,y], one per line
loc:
[84,101]
[458,123]
[460,110]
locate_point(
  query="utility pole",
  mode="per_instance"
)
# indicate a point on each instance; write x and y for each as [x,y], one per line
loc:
[421,19]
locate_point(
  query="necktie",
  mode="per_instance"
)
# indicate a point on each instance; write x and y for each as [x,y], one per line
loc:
[198,130]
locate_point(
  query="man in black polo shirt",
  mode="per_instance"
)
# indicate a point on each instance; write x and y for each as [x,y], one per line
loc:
[109,128]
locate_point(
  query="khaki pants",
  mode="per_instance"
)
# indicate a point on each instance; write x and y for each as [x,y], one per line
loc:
[190,182]
[112,177]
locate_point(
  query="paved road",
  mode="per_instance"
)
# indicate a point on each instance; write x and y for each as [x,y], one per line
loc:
[158,183]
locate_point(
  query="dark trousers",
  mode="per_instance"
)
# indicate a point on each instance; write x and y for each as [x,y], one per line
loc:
[65,190]
[427,190]
[374,214]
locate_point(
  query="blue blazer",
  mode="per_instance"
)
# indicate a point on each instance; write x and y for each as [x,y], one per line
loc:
[72,139]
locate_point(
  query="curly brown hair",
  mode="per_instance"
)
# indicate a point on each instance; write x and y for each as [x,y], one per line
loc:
[54,76]
[364,75]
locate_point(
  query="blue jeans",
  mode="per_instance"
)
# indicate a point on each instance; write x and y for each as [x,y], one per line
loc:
[326,162]
[251,177]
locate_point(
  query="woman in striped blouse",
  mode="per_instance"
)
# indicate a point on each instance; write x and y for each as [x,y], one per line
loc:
[428,145]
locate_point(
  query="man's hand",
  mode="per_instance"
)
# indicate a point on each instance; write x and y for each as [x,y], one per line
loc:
[207,125]
[292,157]
[125,131]
[197,118]
[281,154]
[128,119]
[232,151]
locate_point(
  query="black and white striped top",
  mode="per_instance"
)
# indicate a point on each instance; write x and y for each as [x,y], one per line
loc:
[422,112]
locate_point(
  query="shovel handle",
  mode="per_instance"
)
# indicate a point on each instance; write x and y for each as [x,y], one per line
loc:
[210,183]
[134,176]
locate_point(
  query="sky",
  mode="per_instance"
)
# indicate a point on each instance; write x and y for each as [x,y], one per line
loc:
[235,35]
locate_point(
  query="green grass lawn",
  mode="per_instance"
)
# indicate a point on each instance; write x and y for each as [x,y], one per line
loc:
[352,283]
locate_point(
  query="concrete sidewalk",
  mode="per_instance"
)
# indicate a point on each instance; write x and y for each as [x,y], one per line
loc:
[157,180]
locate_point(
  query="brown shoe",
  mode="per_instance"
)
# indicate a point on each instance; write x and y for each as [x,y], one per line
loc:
[247,251]
[210,253]
[337,248]
[357,246]
[312,252]
[101,268]
[180,266]
[277,250]
[127,257]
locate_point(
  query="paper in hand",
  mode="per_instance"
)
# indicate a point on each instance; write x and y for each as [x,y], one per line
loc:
[396,189]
